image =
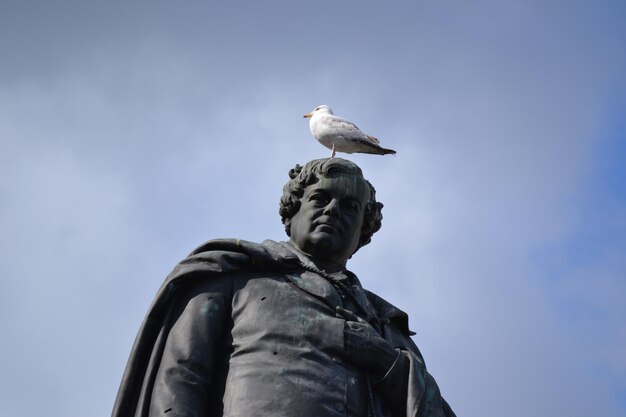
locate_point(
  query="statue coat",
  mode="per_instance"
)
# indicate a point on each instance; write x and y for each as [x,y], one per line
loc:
[242,329]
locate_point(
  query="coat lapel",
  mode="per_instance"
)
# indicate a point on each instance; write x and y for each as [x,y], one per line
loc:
[317,286]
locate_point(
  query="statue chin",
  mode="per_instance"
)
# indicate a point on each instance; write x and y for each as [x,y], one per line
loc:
[325,248]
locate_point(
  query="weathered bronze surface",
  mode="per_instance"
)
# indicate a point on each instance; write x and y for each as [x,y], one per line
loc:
[242,329]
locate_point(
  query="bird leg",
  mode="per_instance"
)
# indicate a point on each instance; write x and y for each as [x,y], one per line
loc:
[332,153]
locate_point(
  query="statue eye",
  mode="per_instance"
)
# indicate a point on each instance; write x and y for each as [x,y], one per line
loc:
[318,198]
[351,205]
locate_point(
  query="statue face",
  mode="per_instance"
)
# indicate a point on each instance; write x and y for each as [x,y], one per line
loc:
[328,225]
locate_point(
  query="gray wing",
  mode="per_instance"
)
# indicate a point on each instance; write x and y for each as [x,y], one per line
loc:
[350,131]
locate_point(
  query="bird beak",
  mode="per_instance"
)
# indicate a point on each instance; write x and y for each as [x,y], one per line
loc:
[306,116]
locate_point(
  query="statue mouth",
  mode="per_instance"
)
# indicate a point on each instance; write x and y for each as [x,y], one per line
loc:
[327,225]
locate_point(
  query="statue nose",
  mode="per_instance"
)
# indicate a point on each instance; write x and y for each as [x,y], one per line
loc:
[332,207]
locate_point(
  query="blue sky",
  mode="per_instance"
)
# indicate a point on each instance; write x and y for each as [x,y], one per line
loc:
[132,132]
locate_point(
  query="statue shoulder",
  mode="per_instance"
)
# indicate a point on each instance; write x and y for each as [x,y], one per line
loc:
[223,256]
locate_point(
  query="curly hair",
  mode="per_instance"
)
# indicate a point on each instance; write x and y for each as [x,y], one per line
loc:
[303,176]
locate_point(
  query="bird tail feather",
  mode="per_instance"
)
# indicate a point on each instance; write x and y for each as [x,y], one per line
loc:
[377,150]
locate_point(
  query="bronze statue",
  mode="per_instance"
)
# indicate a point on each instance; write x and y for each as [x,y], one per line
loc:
[241,329]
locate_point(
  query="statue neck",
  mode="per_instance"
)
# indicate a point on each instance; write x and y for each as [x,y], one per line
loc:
[307,259]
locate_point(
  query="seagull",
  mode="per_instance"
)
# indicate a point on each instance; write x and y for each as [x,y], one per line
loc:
[341,135]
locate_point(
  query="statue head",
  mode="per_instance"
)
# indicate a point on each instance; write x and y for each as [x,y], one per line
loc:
[329,209]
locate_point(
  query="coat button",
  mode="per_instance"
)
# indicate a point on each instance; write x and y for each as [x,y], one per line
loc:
[340,407]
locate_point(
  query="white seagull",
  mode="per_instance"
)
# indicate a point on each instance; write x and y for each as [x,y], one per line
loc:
[341,135]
